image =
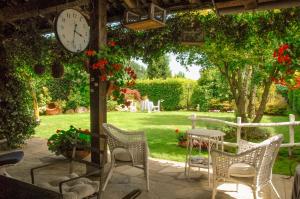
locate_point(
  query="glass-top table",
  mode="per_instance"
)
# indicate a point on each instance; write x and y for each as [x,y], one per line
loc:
[204,137]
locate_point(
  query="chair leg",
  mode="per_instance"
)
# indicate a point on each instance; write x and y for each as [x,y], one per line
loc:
[214,192]
[255,193]
[109,174]
[237,187]
[275,191]
[146,171]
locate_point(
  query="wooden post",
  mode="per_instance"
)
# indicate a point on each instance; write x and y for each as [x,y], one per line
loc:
[194,117]
[238,129]
[98,88]
[291,133]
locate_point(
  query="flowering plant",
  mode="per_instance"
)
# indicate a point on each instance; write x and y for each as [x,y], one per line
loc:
[110,63]
[64,140]
[181,136]
[287,60]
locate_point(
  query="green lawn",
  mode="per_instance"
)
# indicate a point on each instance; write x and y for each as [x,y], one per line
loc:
[160,128]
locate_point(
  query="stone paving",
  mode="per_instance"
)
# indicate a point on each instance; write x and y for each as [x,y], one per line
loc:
[167,179]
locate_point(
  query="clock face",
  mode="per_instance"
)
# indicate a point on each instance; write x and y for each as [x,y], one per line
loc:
[72,30]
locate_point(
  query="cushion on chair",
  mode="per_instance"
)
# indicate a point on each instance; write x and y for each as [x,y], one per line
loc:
[241,170]
[122,155]
[11,158]
[76,189]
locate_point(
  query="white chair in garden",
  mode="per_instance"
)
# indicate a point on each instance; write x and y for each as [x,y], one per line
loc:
[156,108]
[252,165]
[126,148]
[132,107]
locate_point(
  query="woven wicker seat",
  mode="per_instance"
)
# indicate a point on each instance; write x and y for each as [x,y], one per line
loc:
[126,148]
[252,165]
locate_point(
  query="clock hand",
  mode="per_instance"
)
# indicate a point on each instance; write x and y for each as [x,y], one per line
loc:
[74,34]
[78,34]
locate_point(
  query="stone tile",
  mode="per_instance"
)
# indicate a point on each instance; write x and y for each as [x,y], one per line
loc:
[167,179]
[132,171]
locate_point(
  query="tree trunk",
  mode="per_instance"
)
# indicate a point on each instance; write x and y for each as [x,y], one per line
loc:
[264,99]
[252,100]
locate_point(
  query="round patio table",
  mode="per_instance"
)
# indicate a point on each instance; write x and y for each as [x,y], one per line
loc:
[212,139]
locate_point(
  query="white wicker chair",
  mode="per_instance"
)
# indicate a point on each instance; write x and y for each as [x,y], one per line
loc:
[252,165]
[126,148]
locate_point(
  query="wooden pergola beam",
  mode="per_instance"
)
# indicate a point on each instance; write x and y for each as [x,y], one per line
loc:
[261,6]
[30,10]
[98,88]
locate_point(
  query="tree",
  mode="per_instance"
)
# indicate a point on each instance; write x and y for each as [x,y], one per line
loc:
[139,70]
[240,46]
[180,74]
[159,68]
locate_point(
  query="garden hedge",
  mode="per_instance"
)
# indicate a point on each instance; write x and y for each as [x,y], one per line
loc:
[294,100]
[175,92]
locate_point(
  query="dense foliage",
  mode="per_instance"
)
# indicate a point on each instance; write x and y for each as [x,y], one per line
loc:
[174,92]
[241,46]
[294,100]
[159,68]
[17,119]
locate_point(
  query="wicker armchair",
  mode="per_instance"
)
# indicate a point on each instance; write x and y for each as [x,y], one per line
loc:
[126,148]
[252,165]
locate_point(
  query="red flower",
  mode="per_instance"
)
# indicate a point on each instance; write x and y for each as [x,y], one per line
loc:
[275,54]
[123,90]
[90,53]
[117,67]
[289,72]
[112,43]
[103,78]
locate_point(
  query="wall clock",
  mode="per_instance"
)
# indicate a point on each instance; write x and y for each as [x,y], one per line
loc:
[72,30]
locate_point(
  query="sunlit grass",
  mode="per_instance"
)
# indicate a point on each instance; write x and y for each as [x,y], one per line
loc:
[160,130]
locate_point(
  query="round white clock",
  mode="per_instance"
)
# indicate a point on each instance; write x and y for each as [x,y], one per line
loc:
[72,30]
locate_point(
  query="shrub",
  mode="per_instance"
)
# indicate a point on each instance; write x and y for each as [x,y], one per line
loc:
[276,105]
[294,100]
[111,105]
[17,119]
[175,92]
[200,96]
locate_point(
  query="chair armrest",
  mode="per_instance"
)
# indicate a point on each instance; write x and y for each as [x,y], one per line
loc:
[44,166]
[245,145]
[72,179]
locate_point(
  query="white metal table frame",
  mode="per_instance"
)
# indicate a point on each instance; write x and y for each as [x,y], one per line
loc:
[214,138]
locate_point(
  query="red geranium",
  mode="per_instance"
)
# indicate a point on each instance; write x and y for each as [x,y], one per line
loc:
[90,53]
[112,43]
[103,77]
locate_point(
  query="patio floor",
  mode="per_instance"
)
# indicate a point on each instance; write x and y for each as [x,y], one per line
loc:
[167,179]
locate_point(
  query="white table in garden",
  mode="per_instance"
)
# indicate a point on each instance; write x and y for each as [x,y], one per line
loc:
[213,139]
[147,105]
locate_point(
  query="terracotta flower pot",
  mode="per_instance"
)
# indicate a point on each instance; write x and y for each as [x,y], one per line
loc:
[182,144]
[51,109]
[79,154]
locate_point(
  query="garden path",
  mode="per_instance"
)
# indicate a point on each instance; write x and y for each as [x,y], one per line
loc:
[167,180]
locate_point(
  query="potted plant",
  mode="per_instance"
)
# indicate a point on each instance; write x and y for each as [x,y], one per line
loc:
[63,141]
[181,138]
[39,69]
[110,64]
